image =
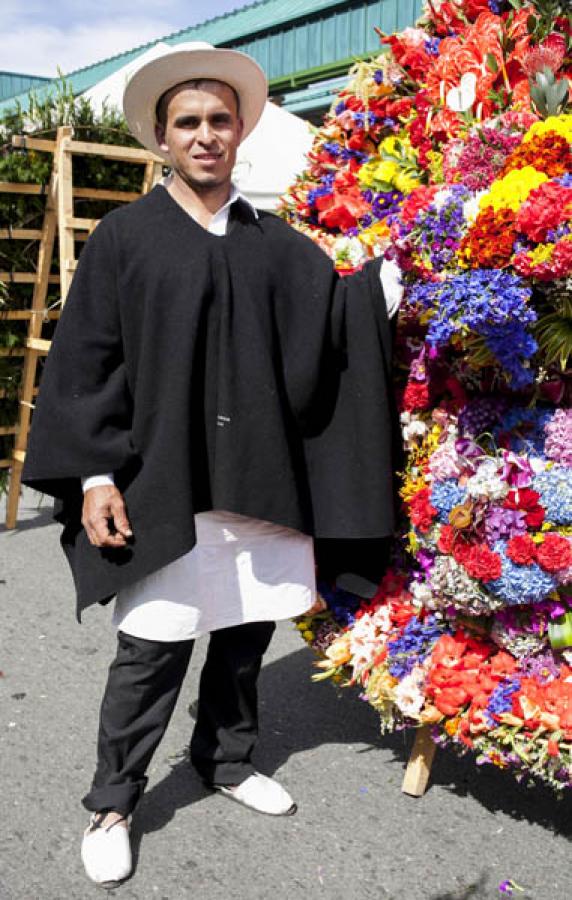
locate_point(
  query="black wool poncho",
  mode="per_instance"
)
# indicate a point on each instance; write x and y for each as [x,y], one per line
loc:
[237,373]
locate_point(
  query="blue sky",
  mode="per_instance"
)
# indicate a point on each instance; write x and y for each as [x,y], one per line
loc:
[38,36]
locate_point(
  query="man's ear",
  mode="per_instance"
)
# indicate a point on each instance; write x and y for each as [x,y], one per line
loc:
[160,136]
[240,124]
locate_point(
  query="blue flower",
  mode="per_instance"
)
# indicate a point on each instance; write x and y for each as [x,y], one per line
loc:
[432,46]
[520,585]
[555,489]
[413,645]
[445,495]
[490,303]
[500,700]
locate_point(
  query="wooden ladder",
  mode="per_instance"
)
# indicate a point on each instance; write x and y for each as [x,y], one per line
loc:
[59,215]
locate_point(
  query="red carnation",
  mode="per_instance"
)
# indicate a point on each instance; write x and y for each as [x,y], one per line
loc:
[526,500]
[416,396]
[421,512]
[546,207]
[555,553]
[482,563]
[418,200]
[521,549]
[446,539]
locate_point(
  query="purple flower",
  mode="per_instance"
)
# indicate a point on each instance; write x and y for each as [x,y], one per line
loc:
[504,523]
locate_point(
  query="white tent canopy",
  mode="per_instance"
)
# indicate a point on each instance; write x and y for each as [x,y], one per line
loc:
[268,160]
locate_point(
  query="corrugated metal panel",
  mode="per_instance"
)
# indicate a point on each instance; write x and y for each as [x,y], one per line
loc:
[13,83]
[297,35]
[335,35]
[314,96]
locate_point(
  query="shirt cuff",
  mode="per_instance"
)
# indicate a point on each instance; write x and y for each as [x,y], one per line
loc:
[97,481]
[390,275]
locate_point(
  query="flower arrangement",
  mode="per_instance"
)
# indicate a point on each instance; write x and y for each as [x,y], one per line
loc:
[451,154]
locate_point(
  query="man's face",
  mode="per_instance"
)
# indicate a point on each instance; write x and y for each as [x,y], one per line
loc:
[202,134]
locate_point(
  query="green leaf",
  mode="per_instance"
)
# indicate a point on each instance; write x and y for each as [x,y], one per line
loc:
[492,63]
[531,24]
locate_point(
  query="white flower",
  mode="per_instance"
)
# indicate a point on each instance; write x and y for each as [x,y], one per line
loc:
[471,207]
[413,429]
[440,198]
[487,481]
[350,249]
[422,593]
[409,698]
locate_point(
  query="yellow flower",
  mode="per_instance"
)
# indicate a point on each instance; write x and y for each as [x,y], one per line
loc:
[308,636]
[561,125]
[541,254]
[398,146]
[375,234]
[452,726]
[377,170]
[511,191]
[339,653]
[413,542]
[406,183]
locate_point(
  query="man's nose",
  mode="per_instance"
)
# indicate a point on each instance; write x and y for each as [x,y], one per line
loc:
[205,134]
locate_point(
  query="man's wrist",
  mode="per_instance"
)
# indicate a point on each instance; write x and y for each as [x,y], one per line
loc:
[93,481]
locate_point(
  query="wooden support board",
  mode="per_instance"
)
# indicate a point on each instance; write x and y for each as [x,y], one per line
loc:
[59,216]
[419,766]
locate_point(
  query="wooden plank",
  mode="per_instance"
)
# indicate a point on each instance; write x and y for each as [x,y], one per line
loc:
[5,463]
[20,234]
[8,429]
[101,194]
[153,174]
[113,151]
[6,395]
[65,210]
[26,142]
[38,345]
[83,224]
[21,315]
[25,278]
[19,456]
[15,187]
[12,351]
[419,766]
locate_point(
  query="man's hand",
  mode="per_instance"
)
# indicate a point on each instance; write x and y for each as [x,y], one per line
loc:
[104,517]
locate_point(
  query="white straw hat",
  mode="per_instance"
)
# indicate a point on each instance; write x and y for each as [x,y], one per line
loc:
[185,62]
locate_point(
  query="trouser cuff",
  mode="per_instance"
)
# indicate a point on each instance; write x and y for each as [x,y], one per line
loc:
[226,773]
[122,798]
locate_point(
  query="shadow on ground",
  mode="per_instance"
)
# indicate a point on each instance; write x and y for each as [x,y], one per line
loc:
[473,891]
[29,517]
[318,714]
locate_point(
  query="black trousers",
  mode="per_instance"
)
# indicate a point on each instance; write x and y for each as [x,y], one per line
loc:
[142,689]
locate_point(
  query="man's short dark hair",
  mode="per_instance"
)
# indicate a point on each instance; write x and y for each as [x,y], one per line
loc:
[196,84]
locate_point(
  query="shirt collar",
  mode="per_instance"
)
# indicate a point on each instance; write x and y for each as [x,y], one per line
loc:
[235,194]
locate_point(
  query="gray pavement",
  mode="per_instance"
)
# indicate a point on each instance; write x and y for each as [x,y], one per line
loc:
[355,835]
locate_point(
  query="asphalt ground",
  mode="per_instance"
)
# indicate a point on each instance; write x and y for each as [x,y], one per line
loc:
[355,835]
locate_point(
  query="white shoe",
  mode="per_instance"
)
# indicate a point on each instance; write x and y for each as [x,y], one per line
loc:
[262,794]
[106,851]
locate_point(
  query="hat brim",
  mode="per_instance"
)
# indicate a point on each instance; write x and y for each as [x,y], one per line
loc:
[151,81]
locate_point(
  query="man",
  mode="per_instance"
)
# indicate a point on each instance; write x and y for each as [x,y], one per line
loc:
[221,395]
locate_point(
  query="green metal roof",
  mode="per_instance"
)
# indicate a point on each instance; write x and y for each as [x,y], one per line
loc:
[291,39]
[12,83]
